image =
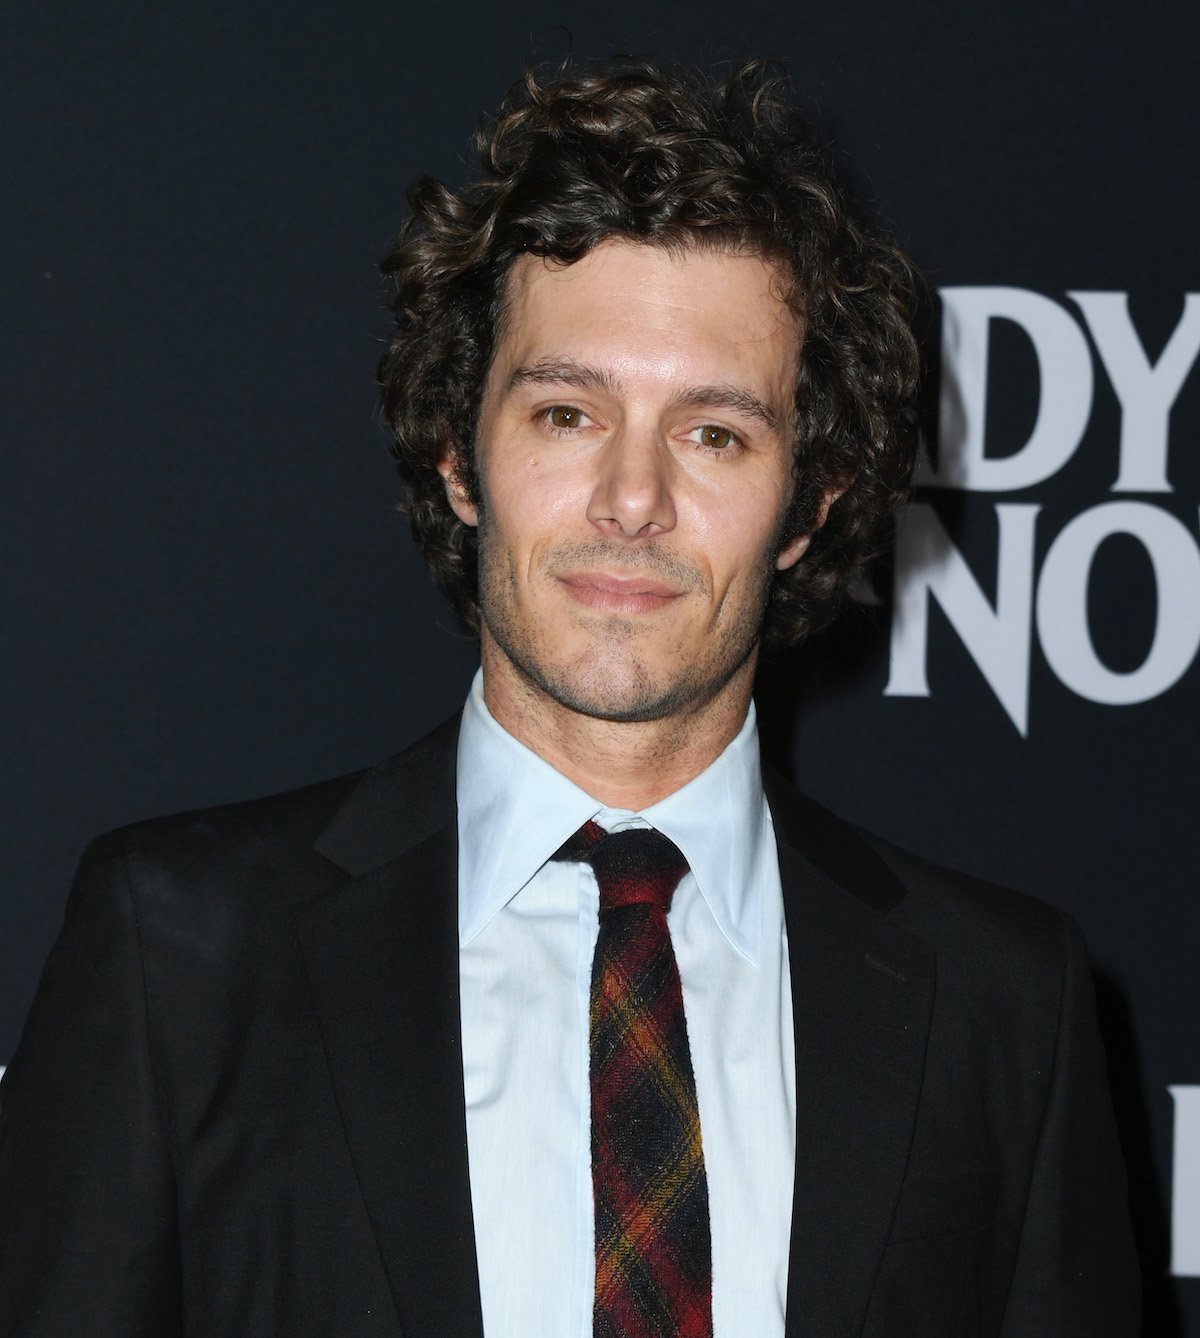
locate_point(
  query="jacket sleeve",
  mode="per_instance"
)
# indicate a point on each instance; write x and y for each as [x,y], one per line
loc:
[1077,1272]
[88,1238]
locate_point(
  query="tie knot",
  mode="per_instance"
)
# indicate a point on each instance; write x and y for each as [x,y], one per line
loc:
[638,866]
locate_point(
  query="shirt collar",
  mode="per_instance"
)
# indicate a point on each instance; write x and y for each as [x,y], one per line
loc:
[515,810]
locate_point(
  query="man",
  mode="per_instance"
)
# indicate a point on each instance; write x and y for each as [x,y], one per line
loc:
[559,1023]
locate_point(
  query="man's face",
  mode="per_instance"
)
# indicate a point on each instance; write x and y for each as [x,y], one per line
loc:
[635,463]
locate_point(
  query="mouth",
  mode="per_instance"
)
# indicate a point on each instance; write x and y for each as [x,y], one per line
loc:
[627,592]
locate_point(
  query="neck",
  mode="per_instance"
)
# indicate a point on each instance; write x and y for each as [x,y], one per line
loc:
[623,764]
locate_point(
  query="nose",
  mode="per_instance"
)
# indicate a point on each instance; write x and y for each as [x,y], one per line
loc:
[632,493]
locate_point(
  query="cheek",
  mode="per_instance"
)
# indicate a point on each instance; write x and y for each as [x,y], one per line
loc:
[733,534]
[530,504]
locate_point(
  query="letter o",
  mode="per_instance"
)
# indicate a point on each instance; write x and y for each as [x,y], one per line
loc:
[1062,603]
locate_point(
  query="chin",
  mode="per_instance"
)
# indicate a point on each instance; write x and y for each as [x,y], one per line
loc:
[623,690]
[620,708]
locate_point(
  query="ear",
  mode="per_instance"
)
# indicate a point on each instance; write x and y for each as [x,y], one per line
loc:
[797,546]
[456,492]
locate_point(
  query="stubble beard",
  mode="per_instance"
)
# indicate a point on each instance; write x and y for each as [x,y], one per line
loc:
[612,682]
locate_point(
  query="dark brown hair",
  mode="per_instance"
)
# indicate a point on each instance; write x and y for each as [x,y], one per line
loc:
[628,149]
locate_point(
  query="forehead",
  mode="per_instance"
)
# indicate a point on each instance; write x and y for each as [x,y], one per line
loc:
[646,310]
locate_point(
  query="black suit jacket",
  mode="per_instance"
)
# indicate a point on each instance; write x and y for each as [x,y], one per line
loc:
[238,1098]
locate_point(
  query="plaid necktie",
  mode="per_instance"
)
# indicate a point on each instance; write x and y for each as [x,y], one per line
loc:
[653,1250]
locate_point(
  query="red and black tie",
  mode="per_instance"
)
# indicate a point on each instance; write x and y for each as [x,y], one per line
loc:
[653,1246]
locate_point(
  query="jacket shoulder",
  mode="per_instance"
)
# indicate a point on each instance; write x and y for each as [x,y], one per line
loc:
[1001,953]
[261,851]
[246,833]
[956,909]
[965,918]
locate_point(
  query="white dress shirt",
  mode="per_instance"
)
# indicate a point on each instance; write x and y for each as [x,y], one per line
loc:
[527,932]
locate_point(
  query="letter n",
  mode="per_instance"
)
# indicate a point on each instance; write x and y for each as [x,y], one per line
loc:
[996,636]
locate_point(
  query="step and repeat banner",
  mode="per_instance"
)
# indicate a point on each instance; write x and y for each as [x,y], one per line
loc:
[208,592]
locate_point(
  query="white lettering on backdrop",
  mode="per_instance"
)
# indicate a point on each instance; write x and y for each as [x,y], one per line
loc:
[998,635]
[1185,1184]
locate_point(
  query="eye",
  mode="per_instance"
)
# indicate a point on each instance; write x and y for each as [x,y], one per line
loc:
[714,437]
[564,417]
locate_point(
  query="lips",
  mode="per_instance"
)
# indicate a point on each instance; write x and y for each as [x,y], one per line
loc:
[625,592]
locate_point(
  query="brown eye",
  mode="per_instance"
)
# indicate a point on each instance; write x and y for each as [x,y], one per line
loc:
[565,417]
[716,438]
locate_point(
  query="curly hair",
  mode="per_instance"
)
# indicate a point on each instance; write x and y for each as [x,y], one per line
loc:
[628,149]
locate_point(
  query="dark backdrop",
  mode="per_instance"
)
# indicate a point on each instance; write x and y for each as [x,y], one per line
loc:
[208,594]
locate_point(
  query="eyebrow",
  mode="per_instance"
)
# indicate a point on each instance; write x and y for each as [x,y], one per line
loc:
[564,372]
[569,372]
[731,397]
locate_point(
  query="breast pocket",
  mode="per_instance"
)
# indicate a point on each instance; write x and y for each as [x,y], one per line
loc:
[961,1199]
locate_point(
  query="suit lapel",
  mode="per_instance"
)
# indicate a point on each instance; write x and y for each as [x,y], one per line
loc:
[382,961]
[862,993]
